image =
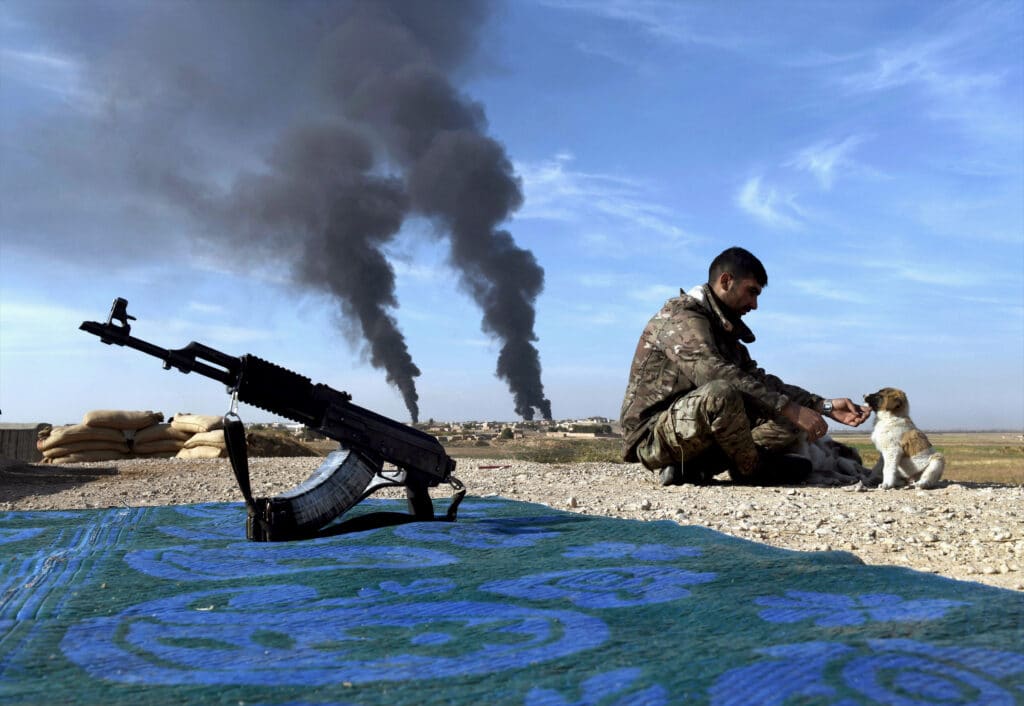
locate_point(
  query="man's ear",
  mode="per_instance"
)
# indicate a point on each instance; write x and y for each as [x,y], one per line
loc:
[725,281]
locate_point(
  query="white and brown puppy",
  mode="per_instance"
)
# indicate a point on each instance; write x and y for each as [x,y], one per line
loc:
[905,452]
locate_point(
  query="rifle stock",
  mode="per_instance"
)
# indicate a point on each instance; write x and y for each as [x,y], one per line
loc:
[370,438]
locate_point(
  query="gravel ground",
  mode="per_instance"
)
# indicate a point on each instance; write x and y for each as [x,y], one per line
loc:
[967,531]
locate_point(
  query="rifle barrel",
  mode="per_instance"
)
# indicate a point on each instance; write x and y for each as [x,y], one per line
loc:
[184,359]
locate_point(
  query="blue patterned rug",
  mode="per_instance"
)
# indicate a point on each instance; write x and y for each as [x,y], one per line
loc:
[514,604]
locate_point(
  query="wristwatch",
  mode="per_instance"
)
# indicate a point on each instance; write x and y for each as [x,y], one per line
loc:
[826,406]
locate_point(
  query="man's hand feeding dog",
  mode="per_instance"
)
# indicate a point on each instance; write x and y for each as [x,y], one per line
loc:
[905,452]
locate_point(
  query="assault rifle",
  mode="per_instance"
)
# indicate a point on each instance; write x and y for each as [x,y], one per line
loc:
[346,477]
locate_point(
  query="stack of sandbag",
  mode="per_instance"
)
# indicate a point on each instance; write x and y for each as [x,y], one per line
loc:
[159,441]
[103,435]
[207,435]
[78,443]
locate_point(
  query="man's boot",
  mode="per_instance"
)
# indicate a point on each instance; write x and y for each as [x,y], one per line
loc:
[671,475]
[683,474]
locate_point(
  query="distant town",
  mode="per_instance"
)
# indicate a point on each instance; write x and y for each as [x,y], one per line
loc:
[485,431]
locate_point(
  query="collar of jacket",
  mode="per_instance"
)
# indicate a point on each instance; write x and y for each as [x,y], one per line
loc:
[709,301]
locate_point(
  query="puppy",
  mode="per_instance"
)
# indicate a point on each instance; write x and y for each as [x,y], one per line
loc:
[905,452]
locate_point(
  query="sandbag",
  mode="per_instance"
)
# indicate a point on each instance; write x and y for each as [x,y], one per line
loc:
[121,419]
[87,457]
[82,446]
[195,423]
[160,432]
[157,454]
[203,452]
[206,438]
[171,446]
[50,437]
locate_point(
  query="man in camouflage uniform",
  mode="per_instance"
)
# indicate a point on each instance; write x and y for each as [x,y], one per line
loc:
[697,403]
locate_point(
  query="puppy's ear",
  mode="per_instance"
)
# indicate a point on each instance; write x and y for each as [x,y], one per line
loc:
[900,401]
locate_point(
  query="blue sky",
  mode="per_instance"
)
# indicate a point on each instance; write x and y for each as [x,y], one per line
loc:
[871,154]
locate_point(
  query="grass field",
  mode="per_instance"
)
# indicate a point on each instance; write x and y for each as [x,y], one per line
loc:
[977,457]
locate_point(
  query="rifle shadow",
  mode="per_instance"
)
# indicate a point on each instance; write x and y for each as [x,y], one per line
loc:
[493,525]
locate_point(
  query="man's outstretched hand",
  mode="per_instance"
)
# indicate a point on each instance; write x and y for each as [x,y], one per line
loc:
[846,412]
[814,425]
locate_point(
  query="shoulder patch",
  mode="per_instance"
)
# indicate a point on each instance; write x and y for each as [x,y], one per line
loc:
[914,442]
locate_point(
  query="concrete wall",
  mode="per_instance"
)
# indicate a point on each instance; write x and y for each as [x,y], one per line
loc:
[18,441]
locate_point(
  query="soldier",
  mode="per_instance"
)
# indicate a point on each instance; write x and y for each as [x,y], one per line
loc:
[697,404]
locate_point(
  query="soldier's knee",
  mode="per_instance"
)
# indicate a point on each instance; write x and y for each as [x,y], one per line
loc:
[720,394]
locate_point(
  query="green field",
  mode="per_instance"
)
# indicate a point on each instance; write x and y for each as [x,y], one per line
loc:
[977,457]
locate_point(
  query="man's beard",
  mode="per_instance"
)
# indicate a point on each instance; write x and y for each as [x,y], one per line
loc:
[730,313]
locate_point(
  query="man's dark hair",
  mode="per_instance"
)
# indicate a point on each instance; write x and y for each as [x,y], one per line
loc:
[740,263]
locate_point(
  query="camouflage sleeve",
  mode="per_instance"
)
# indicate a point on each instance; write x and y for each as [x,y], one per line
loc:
[691,346]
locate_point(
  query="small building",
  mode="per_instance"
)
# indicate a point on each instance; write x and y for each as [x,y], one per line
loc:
[18,442]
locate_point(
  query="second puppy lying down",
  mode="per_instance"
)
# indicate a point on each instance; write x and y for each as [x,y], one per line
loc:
[832,463]
[905,454]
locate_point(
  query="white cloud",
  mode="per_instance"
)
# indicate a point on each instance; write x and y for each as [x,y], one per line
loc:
[974,219]
[57,75]
[610,53]
[773,208]
[921,64]
[205,308]
[29,324]
[595,315]
[601,244]
[811,326]
[216,335]
[419,271]
[830,289]
[555,192]
[955,67]
[826,159]
[654,293]
[45,328]
[666,20]
[929,273]
[32,326]
[604,279]
[587,310]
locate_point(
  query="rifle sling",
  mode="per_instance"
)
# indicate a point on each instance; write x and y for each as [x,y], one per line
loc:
[256,526]
[234,440]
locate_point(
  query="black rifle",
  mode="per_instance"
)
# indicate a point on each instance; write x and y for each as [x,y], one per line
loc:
[346,477]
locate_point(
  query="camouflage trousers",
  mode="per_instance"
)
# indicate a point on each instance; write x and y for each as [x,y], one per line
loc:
[714,427]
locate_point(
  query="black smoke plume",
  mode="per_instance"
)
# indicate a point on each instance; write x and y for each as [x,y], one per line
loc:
[346,118]
[455,173]
[319,198]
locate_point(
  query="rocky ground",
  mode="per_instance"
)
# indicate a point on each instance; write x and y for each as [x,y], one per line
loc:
[967,531]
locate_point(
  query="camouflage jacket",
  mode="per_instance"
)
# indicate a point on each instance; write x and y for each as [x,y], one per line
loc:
[689,343]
